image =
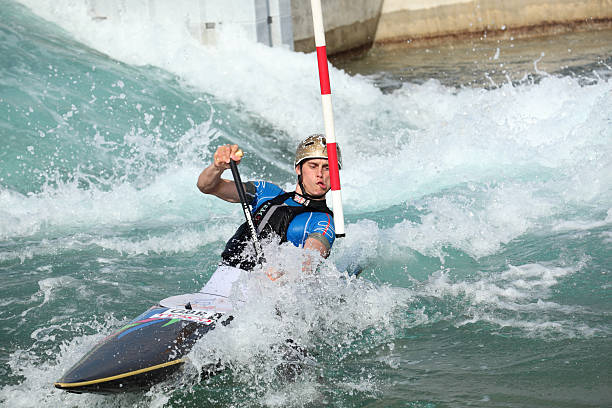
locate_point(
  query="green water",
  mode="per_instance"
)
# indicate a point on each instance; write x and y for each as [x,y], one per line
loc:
[481,214]
[486,63]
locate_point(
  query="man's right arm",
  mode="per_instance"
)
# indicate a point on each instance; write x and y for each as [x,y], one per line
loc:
[210,181]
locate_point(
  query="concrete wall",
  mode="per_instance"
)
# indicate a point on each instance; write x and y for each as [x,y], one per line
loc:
[352,24]
[349,24]
[414,20]
[265,21]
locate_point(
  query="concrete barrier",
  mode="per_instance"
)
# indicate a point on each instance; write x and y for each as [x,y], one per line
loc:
[352,24]
[415,20]
[265,21]
[349,24]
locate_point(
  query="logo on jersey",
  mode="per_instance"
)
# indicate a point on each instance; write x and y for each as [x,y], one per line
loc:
[301,200]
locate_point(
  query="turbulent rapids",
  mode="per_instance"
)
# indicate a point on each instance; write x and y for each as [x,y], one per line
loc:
[482,218]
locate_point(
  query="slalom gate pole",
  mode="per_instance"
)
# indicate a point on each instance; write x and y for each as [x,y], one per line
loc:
[328,116]
[247,211]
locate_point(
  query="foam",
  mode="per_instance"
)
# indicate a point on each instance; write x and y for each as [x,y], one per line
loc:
[518,283]
[316,311]
[69,207]
[175,242]
[478,220]
[178,241]
[40,371]
[521,292]
[541,327]
[583,225]
[48,359]
[420,140]
[49,286]
[475,168]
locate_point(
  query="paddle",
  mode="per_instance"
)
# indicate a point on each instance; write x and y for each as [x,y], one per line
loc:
[352,269]
[247,211]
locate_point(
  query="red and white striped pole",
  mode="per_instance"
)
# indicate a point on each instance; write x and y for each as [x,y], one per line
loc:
[328,116]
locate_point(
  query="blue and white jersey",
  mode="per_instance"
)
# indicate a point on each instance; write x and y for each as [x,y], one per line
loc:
[303,225]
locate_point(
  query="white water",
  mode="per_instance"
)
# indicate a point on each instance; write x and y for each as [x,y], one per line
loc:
[480,168]
[408,146]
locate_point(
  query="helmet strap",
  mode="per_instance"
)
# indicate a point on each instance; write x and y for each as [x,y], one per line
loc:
[304,193]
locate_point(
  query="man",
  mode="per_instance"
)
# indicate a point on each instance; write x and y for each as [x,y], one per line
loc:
[300,217]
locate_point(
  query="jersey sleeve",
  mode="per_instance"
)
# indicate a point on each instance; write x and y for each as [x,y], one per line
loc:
[323,228]
[264,191]
[316,225]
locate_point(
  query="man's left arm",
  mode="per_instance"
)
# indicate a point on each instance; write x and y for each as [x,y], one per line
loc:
[314,245]
[317,242]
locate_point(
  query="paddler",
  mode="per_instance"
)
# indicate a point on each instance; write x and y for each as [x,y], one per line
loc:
[300,216]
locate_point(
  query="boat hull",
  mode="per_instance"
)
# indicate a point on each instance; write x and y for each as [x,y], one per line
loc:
[145,351]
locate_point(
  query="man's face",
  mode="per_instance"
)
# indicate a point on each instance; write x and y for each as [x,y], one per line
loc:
[315,176]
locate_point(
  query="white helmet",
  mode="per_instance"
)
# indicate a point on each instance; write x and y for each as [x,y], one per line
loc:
[314,147]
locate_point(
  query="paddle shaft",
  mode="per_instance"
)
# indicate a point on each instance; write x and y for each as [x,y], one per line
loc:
[247,211]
